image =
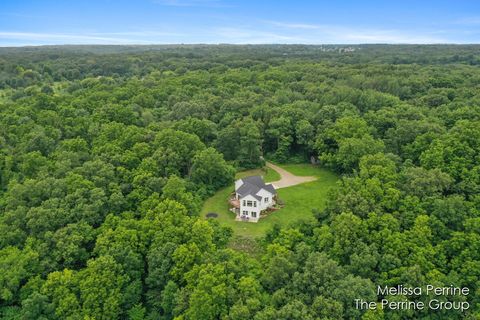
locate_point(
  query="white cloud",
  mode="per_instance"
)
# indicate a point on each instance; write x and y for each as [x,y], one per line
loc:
[248,33]
[32,38]
[137,37]
[293,25]
[387,36]
[249,36]
[336,34]
[143,34]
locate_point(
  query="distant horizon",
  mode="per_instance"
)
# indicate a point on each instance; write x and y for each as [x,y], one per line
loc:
[237,44]
[151,22]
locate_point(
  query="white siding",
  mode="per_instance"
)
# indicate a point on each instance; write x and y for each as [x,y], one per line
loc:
[248,210]
[238,184]
[265,194]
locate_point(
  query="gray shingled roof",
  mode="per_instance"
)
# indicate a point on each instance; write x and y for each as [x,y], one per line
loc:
[248,189]
[269,187]
[255,180]
[251,185]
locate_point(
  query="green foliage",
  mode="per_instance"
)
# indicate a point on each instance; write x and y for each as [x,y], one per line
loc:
[343,144]
[101,285]
[174,151]
[209,169]
[241,141]
[176,189]
[17,266]
[106,154]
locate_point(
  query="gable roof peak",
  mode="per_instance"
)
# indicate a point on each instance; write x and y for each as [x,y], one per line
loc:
[252,185]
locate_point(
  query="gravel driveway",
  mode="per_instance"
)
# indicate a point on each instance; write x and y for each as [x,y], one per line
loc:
[288,179]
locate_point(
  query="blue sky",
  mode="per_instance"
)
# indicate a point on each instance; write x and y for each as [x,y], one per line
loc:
[42,22]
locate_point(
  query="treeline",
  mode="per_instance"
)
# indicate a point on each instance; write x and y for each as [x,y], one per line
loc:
[106,158]
[23,67]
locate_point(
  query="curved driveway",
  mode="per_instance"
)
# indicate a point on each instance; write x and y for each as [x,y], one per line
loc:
[288,179]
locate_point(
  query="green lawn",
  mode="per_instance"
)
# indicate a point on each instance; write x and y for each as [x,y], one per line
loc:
[299,200]
[268,174]
[303,169]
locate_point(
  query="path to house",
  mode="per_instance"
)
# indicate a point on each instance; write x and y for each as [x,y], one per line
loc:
[288,179]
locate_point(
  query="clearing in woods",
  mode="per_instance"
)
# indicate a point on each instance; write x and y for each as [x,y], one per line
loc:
[301,187]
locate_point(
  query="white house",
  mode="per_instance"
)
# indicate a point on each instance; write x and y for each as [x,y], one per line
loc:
[252,196]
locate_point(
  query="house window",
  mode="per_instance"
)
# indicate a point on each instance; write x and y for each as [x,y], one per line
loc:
[266,200]
[254,214]
[249,203]
[254,203]
[245,213]
[244,203]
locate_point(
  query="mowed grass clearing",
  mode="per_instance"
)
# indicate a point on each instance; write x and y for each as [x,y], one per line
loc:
[299,200]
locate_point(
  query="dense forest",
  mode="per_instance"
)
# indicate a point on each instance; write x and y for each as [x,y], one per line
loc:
[108,152]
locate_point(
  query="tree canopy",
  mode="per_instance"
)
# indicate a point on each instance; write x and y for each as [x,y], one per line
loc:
[107,154]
